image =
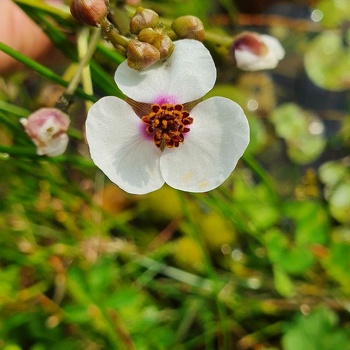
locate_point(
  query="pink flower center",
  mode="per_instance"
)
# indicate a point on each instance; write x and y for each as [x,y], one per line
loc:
[167,123]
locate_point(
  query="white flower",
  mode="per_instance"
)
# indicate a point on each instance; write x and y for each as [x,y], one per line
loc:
[252,51]
[47,128]
[192,150]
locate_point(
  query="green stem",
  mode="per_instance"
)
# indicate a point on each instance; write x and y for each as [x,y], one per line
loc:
[174,273]
[90,51]
[110,34]
[42,70]
[66,98]
[259,171]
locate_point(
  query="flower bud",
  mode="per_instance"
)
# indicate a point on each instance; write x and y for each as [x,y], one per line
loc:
[90,12]
[252,51]
[47,128]
[143,18]
[159,40]
[188,27]
[141,55]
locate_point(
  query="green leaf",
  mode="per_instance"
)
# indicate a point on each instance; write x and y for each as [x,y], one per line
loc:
[334,12]
[339,202]
[327,62]
[332,172]
[283,284]
[337,264]
[302,131]
[317,331]
[311,219]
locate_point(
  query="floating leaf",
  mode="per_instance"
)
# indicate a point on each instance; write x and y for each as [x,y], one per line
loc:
[327,62]
[302,130]
[339,203]
[334,12]
[332,172]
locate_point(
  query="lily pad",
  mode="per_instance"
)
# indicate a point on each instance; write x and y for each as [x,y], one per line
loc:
[327,62]
[302,131]
[334,12]
[339,202]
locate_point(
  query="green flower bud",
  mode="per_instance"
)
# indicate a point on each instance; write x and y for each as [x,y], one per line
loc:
[159,40]
[90,12]
[166,47]
[141,55]
[188,27]
[143,18]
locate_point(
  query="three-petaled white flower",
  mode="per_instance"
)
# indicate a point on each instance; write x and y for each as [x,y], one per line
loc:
[252,51]
[160,139]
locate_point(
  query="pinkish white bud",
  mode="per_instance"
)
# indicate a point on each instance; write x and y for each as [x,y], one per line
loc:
[252,51]
[90,12]
[47,128]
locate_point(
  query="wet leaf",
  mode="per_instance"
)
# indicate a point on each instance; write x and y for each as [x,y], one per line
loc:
[327,62]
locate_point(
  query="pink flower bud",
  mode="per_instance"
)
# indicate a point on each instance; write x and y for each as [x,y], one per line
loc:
[47,128]
[252,51]
[90,12]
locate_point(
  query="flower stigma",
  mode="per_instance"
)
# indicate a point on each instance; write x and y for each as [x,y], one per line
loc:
[167,123]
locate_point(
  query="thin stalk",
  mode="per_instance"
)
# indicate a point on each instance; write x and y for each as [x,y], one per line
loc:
[42,70]
[211,272]
[65,99]
[111,35]
[83,51]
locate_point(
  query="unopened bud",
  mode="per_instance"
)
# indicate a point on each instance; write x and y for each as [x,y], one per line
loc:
[188,27]
[141,55]
[47,128]
[161,41]
[90,12]
[143,18]
[250,42]
[252,51]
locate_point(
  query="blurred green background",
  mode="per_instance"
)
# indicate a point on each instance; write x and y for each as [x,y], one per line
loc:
[262,262]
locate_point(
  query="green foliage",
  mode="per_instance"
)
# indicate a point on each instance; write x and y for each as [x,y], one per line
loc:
[296,127]
[327,61]
[318,331]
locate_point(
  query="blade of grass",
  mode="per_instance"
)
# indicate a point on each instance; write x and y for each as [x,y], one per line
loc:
[42,70]
[102,80]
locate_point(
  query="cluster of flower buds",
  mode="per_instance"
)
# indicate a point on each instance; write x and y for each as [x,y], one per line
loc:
[251,51]
[151,42]
[47,127]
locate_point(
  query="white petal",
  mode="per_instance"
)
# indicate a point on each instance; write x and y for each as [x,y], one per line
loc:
[188,74]
[218,137]
[274,46]
[119,149]
[53,147]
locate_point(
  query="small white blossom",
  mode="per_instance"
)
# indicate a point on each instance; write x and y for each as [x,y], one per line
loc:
[252,51]
[161,138]
[47,128]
